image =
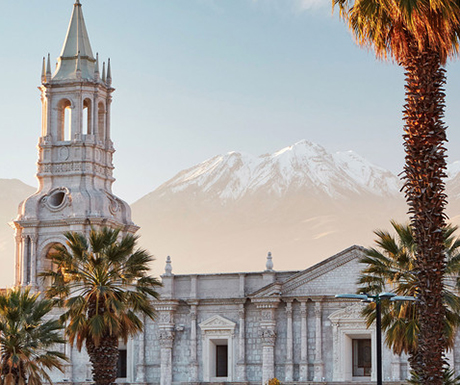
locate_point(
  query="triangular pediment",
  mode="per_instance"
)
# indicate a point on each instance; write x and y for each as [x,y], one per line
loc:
[337,274]
[272,290]
[217,323]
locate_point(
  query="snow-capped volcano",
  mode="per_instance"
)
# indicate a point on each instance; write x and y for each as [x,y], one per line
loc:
[304,166]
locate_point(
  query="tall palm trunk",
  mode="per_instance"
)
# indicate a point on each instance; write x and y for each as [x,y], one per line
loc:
[425,135]
[104,359]
[104,355]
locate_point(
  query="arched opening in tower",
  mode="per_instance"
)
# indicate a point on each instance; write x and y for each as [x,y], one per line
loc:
[87,127]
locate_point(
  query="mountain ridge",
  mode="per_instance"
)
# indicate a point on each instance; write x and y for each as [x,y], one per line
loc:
[302,203]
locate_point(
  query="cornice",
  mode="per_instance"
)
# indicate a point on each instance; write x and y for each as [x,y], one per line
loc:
[77,221]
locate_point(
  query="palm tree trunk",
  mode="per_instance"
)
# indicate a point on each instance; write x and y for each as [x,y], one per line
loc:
[104,359]
[424,171]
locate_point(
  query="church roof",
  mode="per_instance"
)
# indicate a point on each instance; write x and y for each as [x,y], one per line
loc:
[76,55]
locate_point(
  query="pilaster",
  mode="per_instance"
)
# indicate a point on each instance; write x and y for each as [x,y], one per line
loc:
[318,364]
[396,368]
[303,367]
[33,261]
[241,363]
[193,363]
[166,310]
[267,333]
[289,365]
[140,367]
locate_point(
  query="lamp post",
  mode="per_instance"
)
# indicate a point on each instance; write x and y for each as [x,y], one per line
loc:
[377,299]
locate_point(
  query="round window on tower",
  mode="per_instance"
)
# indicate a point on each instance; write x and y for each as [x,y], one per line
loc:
[56,199]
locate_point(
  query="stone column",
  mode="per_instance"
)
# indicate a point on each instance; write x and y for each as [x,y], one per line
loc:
[396,368]
[166,311]
[241,363]
[95,117]
[18,259]
[33,261]
[193,343]
[267,333]
[166,344]
[107,128]
[68,366]
[318,365]
[76,118]
[50,135]
[268,354]
[289,366]
[140,367]
[25,252]
[303,367]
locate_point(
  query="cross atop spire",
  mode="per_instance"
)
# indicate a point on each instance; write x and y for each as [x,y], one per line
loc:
[76,41]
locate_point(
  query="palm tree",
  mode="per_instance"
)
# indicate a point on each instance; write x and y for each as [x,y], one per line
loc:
[420,35]
[391,266]
[104,285]
[449,378]
[27,338]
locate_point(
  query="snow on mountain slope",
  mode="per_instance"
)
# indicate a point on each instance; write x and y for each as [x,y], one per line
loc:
[304,165]
[376,179]
[453,169]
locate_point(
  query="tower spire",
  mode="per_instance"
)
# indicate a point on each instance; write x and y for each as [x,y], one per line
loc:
[76,40]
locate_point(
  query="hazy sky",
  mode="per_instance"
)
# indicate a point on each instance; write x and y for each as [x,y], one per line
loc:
[195,78]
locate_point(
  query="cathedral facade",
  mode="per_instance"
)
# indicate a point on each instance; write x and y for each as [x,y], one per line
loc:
[239,328]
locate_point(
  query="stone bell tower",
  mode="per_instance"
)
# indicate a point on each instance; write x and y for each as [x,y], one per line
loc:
[74,157]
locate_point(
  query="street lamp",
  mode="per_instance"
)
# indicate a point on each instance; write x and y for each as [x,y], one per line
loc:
[377,299]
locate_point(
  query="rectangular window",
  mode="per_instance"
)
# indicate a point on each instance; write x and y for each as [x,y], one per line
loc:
[122,364]
[221,361]
[362,357]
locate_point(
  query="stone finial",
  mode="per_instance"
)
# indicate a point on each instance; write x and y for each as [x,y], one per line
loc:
[109,74]
[48,68]
[269,264]
[103,72]
[44,71]
[168,267]
[96,68]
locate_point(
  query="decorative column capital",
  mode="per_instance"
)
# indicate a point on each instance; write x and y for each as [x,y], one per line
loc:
[289,309]
[318,308]
[241,311]
[303,309]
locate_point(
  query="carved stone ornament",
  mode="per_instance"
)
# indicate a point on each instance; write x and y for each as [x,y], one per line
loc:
[217,323]
[351,313]
[267,315]
[268,336]
[114,203]
[164,318]
[57,199]
[64,153]
[166,338]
